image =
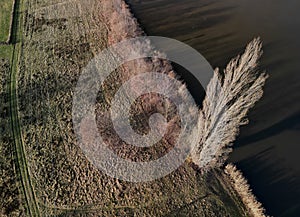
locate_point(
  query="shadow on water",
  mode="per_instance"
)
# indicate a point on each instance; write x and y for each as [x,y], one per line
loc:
[193,85]
[278,181]
[288,123]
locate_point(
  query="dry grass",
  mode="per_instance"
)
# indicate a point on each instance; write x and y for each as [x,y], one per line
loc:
[241,186]
[54,51]
[10,198]
[57,44]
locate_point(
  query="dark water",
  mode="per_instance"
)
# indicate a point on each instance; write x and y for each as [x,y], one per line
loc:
[268,149]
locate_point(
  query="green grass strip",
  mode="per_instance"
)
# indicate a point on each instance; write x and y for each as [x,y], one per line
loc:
[20,158]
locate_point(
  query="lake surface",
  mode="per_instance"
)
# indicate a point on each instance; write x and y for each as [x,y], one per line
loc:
[268,149]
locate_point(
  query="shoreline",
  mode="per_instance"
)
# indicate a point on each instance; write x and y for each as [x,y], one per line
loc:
[74,185]
[231,175]
[240,184]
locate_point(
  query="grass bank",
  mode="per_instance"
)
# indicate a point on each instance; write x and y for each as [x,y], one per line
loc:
[6,20]
[15,37]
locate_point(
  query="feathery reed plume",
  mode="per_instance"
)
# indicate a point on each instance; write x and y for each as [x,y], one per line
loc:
[228,99]
[241,186]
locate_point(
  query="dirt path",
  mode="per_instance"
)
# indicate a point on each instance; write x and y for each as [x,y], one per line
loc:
[20,153]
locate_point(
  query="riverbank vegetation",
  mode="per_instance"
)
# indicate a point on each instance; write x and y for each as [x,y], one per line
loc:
[58,41]
[229,96]
[241,186]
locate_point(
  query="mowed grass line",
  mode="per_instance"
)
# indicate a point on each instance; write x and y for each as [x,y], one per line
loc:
[6,10]
[20,153]
[21,161]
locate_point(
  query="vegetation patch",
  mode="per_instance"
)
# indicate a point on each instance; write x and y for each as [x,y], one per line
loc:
[6,19]
[6,51]
[10,198]
[54,48]
[243,189]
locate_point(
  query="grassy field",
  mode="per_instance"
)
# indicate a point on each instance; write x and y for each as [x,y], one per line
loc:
[6,8]
[10,194]
[6,51]
[20,177]
[10,197]
[39,73]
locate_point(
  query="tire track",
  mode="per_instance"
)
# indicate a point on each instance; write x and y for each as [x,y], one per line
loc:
[20,153]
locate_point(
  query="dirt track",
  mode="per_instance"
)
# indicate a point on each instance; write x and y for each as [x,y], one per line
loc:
[20,158]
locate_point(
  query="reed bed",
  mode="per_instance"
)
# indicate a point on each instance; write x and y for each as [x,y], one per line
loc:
[243,189]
